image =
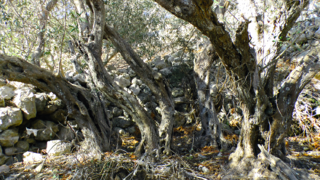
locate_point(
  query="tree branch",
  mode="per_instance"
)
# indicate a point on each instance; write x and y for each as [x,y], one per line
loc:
[43,22]
[16,69]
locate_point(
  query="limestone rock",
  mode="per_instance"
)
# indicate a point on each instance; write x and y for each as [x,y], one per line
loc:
[4,169]
[166,72]
[6,92]
[52,96]
[43,130]
[41,101]
[135,89]
[122,81]
[22,86]
[3,159]
[136,81]
[160,64]
[66,134]
[25,100]
[31,157]
[132,73]
[58,148]
[122,122]
[9,137]
[10,151]
[23,145]
[10,116]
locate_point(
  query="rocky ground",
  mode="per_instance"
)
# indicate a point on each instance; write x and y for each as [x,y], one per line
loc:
[188,163]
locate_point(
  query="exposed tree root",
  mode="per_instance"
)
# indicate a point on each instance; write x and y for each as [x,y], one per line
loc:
[266,166]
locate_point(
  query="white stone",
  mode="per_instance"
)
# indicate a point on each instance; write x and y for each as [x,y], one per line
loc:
[58,148]
[135,89]
[20,85]
[315,43]
[122,81]
[31,157]
[136,81]
[126,76]
[9,137]
[6,92]
[4,169]
[25,100]
[10,151]
[10,116]
[318,110]
[52,96]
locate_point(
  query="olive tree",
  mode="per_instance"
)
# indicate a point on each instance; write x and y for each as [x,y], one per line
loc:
[250,60]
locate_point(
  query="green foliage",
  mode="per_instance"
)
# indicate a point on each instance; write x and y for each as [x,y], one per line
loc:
[144,24]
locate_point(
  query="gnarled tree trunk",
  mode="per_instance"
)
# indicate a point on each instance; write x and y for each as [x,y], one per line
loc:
[82,106]
[250,64]
[92,49]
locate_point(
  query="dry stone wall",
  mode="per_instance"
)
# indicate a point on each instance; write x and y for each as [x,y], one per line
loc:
[31,120]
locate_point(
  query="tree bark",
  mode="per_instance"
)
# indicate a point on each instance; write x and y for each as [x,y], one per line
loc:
[154,80]
[81,104]
[250,63]
[104,83]
[208,115]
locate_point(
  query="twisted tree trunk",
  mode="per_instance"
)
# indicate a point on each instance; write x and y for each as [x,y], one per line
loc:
[92,52]
[82,106]
[251,64]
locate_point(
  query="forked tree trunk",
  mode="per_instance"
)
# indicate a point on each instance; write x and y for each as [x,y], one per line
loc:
[92,49]
[250,64]
[154,80]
